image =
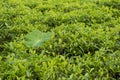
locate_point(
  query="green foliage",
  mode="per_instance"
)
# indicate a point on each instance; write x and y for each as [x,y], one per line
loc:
[36,38]
[76,39]
[59,39]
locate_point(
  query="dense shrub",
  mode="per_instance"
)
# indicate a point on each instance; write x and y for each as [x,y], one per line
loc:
[85,41]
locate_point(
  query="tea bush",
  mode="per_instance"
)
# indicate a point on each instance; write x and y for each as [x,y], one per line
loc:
[84,44]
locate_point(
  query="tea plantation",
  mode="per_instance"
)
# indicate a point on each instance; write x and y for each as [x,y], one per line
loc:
[59,39]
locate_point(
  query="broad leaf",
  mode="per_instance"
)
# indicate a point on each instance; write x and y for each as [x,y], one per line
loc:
[37,38]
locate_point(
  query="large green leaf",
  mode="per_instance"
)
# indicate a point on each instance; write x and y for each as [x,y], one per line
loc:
[37,38]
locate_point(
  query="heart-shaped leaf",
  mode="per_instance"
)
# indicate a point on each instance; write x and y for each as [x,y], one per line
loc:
[37,38]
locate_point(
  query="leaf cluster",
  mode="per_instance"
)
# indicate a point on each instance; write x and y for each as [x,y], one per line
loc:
[59,39]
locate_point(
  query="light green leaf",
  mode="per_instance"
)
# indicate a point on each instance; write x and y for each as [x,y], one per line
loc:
[37,38]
